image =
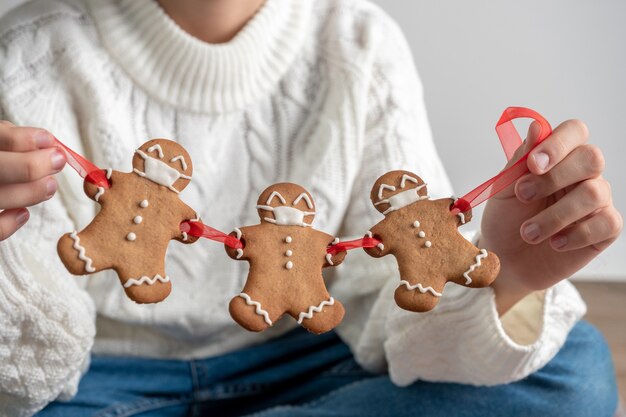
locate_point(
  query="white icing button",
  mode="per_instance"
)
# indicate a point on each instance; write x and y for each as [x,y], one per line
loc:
[289,265]
[421,234]
[288,239]
[428,244]
[143,204]
[131,236]
[137,219]
[288,253]
[416,224]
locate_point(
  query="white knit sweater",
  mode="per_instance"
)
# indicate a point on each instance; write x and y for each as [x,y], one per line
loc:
[320,93]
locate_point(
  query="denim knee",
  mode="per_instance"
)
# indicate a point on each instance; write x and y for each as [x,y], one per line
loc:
[582,376]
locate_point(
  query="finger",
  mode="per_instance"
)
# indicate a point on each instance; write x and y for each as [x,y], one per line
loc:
[603,226]
[563,140]
[16,167]
[11,220]
[582,163]
[24,139]
[585,198]
[25,195]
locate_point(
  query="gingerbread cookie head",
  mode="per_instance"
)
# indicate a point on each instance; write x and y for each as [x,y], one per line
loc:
[397,189]
[286,204]
[164,162]
[140,213]
[422,234]
[286,257]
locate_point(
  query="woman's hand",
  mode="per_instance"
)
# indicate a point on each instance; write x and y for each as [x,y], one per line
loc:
[554,220]
[28,159]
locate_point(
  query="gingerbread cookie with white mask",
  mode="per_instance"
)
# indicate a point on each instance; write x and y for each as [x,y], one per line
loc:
[286,257]
[423,236]
[140,213]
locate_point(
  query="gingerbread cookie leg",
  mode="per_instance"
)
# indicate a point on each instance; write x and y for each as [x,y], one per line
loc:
[252,311]
[147,286]
[480,271]
[320,316]
[418,295]
[74,250]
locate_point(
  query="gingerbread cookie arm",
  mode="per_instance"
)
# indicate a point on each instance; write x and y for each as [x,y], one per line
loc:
[187,213]
[96,193]
[381,249]
[333,259]
[238,254]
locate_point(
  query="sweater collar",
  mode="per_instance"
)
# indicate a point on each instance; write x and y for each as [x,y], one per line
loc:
[181,70]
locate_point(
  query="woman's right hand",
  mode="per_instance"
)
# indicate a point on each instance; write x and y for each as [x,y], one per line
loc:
[28,161]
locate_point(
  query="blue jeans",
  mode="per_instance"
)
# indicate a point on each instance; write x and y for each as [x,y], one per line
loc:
[300,374]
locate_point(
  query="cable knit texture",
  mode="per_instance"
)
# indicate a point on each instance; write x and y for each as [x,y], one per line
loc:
[320,93]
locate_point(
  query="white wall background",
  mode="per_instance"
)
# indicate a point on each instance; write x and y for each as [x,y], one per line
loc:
[563,58]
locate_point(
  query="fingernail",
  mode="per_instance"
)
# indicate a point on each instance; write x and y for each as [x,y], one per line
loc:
[43,139]
[51,187]
[57,159]
[559,242]
[22,217]
[531,231]
[542,160]
[527,190]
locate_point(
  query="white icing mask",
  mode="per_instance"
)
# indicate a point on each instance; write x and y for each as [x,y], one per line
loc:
[403,199]
[159,172]
[287,216]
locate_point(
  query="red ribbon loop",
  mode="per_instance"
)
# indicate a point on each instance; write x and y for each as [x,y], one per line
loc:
[510,141]
[365,242]
[199,229]
[85,168]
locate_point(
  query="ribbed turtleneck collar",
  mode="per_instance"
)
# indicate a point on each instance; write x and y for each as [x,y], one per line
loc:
[179,69]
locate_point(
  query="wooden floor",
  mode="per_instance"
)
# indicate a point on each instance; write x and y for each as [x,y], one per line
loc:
[606,304]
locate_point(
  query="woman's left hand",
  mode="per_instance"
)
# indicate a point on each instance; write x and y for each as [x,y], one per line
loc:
[554,220]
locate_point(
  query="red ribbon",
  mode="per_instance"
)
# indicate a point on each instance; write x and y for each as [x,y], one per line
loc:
[510,141]
[85,168]
[365,242]
[199,229]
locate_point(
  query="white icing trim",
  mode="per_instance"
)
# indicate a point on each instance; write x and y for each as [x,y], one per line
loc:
[384,187]
[238,231]
[275,194]
[182,161]
[81,252]
[329,259]
[306,198]
[315,309]
[419,287]
[482,255]
[381,246]
[99,194]
[462,217]
[407,177]
[146,280]
[109,172]
[258,310]
[185,236]
[158,149]
[369,233]
[239,253]
[335,241]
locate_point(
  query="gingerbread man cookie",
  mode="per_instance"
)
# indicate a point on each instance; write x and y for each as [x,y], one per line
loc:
[422,235]
[140,213]
[286,258]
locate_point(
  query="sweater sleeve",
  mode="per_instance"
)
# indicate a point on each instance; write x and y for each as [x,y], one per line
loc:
[47,323]
[462,339]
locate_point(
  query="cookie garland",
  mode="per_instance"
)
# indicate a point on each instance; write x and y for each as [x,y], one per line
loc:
[166,167]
